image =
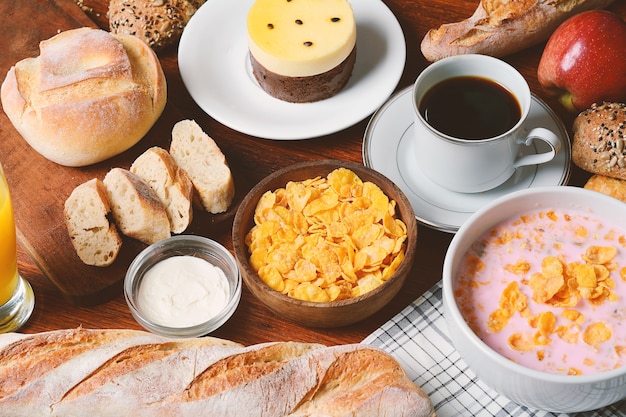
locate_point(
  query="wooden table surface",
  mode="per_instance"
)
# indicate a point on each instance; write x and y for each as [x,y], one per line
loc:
[255,158]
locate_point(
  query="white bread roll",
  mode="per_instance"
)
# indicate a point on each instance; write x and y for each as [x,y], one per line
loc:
[101,373]
[170,183]
[198,154]
[88,96]
[94,238]
[137,210]
[502,27]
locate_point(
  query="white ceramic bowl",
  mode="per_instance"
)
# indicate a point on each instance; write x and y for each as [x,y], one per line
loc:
[534,389]
[196,246]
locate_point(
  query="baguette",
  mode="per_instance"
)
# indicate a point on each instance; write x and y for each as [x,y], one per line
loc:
[113,372]
[87,97]
[599,143]
[137,210]
[170,183]
[198,154]
[502,27]
[95,239]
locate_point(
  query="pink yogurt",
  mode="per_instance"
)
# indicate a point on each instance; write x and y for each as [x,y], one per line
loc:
[478,293]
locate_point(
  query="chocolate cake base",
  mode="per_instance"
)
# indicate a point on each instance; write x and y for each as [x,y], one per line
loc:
[304,89]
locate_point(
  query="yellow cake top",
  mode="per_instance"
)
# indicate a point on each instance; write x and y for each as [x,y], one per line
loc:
[301,37]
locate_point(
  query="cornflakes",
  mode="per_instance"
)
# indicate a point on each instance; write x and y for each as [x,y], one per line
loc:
[326,239]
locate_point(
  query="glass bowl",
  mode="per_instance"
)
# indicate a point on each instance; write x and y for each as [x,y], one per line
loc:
[177,302]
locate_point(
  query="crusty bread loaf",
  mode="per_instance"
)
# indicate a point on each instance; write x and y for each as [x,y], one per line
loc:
[137,211]
[613,187]
[170,183]
[114,372]
[599,139]
[88,96]
[159,23]
[198,154]
[86,211]
[502,27]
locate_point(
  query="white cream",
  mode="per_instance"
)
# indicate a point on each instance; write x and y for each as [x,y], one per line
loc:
[182,291]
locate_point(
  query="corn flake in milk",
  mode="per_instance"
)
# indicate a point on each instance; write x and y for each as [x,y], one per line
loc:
[546,289]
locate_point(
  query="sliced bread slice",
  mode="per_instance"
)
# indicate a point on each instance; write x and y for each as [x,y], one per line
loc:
[95,239]
[198,154]
[137,210]
[170,183]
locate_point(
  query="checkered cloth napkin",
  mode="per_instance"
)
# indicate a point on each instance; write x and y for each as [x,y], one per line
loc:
[417,337]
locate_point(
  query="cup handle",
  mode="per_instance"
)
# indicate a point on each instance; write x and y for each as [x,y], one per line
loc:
[544,135]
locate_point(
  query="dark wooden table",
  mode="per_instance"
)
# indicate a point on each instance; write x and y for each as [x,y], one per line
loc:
[253,158]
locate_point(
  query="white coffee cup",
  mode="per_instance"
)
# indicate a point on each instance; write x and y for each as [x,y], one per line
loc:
[475,165]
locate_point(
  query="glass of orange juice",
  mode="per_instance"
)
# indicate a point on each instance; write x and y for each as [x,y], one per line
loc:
[16,295]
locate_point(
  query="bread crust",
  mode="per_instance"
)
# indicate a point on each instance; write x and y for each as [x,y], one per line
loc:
[599,139]
[502,27]
[87,97]
[109,372]
[199,155]
[613,187]
[170,183]
[159,23]
[86,210]
[137,211]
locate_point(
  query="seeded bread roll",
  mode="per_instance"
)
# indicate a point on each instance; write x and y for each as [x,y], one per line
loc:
[170,183]
[111,373]
[137,210]
[86,211]
[198,154]
[87,97]
[598,146]
[502,27]
[159,23]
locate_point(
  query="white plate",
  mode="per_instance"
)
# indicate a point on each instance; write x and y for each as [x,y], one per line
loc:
[388,148]
[214,65]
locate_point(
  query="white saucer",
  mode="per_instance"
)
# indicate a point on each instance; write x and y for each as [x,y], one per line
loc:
[214,65]
[388,148]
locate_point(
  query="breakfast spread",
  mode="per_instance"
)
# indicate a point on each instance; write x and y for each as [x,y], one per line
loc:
[326,239]
[302,51]
[544,288]
[159,23]
[109,372]
[321,239]
[87,97]
[502,27]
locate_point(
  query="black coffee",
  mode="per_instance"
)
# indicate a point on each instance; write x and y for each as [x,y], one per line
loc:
[470,108]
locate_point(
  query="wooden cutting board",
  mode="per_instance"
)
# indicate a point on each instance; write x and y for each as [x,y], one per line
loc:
[39,187]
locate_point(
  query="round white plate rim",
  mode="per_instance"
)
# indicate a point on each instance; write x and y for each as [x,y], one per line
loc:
[217,76]
[441,216]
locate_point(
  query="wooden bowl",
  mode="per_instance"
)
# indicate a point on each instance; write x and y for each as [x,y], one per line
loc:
[332,313]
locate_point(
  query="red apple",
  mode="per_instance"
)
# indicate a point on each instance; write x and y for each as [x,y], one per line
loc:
[584,60]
